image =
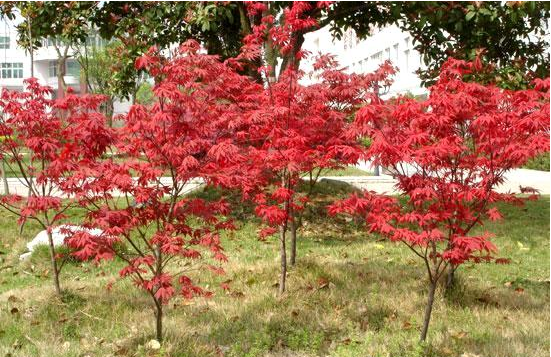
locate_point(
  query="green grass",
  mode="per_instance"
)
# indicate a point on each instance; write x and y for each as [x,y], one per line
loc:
[349,295]
[540,162]
[12,170]
[348,171]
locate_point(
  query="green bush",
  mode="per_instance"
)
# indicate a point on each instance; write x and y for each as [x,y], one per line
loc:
[540,162]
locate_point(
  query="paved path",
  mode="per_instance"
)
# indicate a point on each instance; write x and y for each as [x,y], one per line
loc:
[539,180]
[16,186]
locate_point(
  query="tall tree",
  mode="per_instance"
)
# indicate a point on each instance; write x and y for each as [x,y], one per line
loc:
[101,65]
[512,35]
[62,25]
[509,34]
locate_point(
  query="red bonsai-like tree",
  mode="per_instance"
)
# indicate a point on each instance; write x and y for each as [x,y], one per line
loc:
[46,141]
[140,203]
[295,130]
[448,154]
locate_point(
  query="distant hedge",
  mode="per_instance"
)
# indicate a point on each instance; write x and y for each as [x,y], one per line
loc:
[540,162]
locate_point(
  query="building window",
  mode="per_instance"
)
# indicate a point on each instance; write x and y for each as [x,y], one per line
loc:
[406,59]
[350,39]
[387,51]
[73,68]
[12,70]
[396,54]
[52,69]
[4,42]
[377,57]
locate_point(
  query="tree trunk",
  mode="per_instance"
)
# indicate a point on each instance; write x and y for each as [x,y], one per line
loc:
[428,310]
[283,257]
[246,22]
[158,302]
[291,58]
[55,270]
[31,49]
[450,277]
[4,178]
[109,109]
[29,194]
[159,320]
[61,86]
[270,52]
[293,227]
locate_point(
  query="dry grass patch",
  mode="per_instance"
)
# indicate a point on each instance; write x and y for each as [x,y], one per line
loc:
[348,296]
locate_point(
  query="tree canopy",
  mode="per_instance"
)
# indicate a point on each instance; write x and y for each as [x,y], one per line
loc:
[510,35]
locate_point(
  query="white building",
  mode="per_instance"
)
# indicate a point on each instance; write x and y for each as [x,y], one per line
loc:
[15,64]
[13,59]
[362,56]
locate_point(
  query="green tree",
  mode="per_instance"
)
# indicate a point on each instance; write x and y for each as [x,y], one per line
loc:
[62,24]
[101,65]
[512,35]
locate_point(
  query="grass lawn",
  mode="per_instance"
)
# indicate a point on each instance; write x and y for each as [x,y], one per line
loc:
[12,170]
[349,295]
[348,171]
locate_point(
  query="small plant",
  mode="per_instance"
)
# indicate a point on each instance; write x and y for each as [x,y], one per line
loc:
[448,154]
[46,141]
[140,203]
[292,131]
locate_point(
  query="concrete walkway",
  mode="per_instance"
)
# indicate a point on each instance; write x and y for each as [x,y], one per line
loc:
[17,186]
[539,180]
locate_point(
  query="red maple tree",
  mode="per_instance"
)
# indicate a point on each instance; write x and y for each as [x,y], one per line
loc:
[140,201]
[448,153]
[295,130]
[45,141]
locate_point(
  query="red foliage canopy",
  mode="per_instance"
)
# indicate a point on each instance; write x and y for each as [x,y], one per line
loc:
[183,139]
[45,141]
[449,153]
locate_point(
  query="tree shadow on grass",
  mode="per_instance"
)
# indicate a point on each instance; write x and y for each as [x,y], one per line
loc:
[522,294]
[323,304]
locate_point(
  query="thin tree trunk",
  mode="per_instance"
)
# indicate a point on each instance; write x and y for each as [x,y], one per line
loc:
[158,320]
[450,277]
[158,302]
[60,77]
[31,49]
[283,257]
[4,178]
[55,270]
[109,109]
[293,227]
[428,310]
[29,194]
